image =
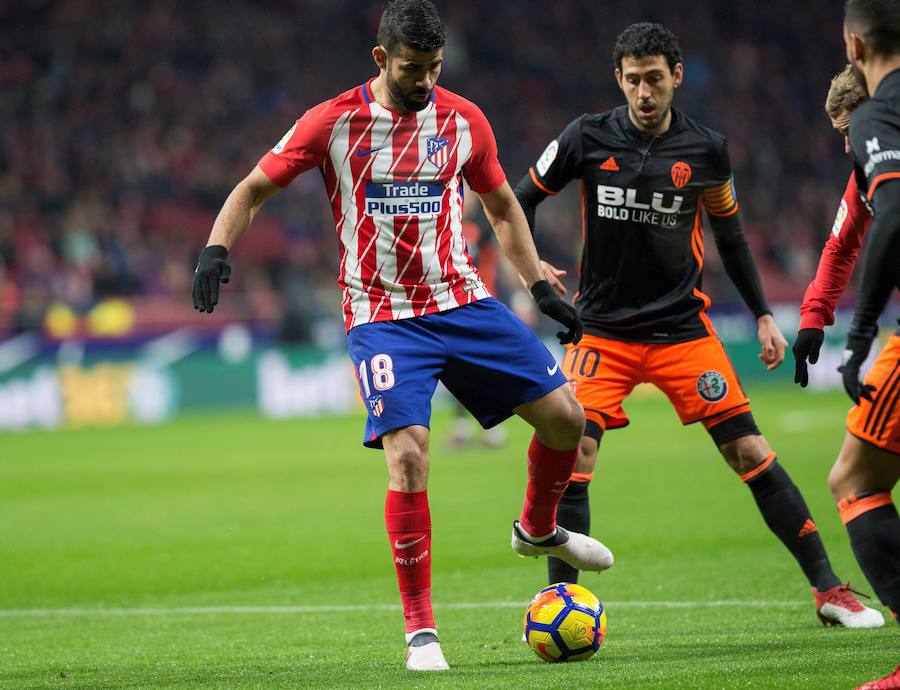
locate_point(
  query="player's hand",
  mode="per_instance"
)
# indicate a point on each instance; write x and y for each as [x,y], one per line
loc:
[553,275]
[806,347]
[772,341]
[211,269]
[559,310]
[855,354]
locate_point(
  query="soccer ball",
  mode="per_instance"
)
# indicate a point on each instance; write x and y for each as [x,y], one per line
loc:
[565,622]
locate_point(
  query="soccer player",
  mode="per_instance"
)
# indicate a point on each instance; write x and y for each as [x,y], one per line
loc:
[392,153]
[647,172]
[832,276]
[842,247]
[863,477]
[868,466]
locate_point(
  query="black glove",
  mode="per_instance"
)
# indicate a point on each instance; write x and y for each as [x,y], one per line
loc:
[806,347]
[551,304]
[855,354]
[211,268]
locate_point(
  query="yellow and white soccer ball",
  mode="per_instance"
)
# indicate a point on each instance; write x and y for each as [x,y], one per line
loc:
[565,622]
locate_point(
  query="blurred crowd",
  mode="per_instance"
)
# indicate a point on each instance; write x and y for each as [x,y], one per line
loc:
[124,124]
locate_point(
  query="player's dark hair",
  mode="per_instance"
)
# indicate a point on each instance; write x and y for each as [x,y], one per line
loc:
[415,23]
[647,39]
[878,21]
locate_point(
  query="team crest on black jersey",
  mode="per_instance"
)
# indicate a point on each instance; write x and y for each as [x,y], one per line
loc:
[681,174]
[712,386]
[437,150]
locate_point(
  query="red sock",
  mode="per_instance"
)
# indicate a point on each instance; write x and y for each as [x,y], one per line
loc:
[548,475]
[408,522]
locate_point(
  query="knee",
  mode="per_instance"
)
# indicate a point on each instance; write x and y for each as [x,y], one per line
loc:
[587,448]
[858,469]
[575,421]
[409,470]
[844,478]
[565,427]
[407,461]
[746,453]
[587,455]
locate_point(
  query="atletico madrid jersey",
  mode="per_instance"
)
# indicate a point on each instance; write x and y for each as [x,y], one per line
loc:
[837,261]
[642,197]
[395,186]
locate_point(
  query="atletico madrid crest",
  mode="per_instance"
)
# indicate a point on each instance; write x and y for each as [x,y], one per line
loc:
[376,405]
[437,150]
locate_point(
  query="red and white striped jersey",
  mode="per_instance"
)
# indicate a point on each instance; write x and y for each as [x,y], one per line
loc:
[395,185]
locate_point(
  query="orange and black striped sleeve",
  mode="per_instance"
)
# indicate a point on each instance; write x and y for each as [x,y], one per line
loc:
[720,200]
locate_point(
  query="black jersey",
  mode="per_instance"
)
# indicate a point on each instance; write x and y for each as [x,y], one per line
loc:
[875,140]
[643,239]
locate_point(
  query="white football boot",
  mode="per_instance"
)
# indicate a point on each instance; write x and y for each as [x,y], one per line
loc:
[424,651]
[578,550]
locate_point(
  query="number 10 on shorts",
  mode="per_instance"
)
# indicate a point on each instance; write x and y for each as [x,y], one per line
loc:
[382,374]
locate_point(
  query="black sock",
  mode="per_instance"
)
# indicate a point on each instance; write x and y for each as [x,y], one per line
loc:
[875,538]
[786,514]
[573,513]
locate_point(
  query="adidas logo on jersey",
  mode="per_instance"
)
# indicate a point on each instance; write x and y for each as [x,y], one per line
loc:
[610,165]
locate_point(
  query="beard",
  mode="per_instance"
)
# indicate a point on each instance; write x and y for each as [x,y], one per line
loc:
[404,98]
[860,77]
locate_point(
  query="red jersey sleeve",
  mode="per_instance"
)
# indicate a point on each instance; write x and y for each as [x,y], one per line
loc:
[301,148]
[837,261]
[482,171]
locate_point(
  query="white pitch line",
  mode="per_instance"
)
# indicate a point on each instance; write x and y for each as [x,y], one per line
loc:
[339,608]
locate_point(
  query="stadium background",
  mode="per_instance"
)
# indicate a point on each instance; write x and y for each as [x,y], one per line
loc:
[125,124]
[218,547]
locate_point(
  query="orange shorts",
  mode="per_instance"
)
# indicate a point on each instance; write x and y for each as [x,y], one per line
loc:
[878,422]
[697,376]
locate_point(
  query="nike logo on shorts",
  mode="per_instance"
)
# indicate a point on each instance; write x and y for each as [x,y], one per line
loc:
[407,544]
[552,371]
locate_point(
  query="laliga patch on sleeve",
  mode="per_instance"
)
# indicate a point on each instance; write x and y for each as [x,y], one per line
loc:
[279,147]
[547,158]
[839,219]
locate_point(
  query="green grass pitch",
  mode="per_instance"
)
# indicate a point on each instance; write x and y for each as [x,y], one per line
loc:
[235,552]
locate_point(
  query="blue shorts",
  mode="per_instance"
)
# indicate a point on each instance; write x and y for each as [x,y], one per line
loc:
[485,356]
